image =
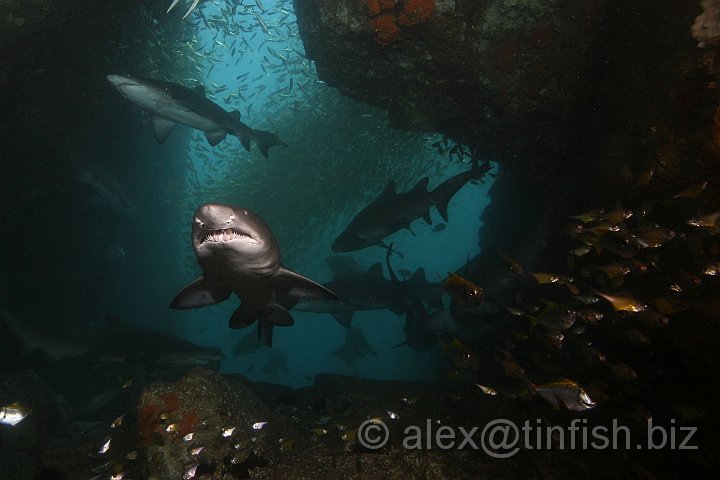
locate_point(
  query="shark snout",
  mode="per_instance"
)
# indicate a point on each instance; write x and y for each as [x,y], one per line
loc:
[118,81]
[214,216]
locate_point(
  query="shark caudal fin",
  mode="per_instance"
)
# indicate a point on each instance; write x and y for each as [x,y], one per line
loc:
[264,140]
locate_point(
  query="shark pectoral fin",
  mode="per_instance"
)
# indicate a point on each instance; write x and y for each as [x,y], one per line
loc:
[242,317]
[161,127]
[200,293]
[343,318]
[426,217]
[214,138]
[298,286]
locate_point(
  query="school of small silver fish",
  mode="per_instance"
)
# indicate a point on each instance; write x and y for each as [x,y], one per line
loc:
[636,288]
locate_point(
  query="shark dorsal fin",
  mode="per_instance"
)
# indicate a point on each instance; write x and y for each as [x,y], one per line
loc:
[421,186]
[235,114]
[418,277]
[389,189]
[374,272]
[200,90]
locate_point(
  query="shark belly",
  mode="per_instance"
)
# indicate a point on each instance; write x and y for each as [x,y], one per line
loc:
[190,118]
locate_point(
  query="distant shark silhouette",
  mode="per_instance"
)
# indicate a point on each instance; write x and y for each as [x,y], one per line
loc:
[119,343]
[417,336]
[394,211]
[108,191]
[369,290]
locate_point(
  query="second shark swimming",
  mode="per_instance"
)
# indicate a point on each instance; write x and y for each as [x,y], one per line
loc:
[393,211]
[170,104]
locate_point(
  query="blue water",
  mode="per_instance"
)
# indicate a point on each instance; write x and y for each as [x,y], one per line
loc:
[207,170]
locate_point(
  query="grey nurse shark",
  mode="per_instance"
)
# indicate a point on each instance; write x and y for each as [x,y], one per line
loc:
[369,290]
[393,211]
[118,343]
[170,104]
[108,190]
[238,253]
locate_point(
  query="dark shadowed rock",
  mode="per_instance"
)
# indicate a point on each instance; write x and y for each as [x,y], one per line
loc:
[477,71]
[21,445]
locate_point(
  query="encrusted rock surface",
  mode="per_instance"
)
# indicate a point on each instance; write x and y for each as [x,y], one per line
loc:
[212,426]
[574,99]
[481,72]
[201,410]
[314,432]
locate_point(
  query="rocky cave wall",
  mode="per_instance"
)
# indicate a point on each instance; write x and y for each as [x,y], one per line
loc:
[573,99]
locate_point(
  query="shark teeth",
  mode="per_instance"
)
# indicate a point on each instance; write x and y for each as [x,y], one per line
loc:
[224,235]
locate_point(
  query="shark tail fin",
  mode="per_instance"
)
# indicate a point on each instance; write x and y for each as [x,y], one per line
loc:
[264,140]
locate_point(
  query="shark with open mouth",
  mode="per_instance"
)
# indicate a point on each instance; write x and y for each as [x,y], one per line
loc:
[239,254]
